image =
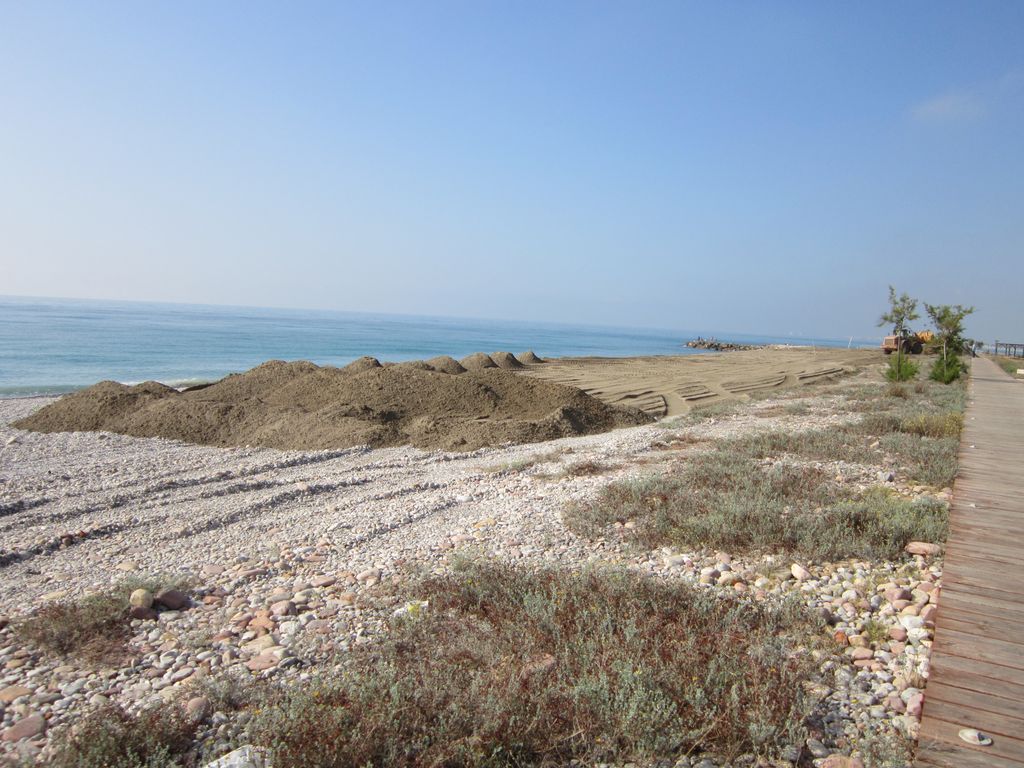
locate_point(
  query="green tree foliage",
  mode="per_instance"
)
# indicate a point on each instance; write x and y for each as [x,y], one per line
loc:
[948,320]
[902,310]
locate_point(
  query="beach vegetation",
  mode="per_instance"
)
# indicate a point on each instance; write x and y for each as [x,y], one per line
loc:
[587,468]
[112,737]
[514,667]
[772,491]
[727,501]
[902,310]
[900,368]
[95,627]
[1010,364]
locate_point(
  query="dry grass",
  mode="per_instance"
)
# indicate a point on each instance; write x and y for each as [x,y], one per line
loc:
[111,737]
[94,628]
[588,468]
[756,493]
[1010,364]
[510,667]
[725,500]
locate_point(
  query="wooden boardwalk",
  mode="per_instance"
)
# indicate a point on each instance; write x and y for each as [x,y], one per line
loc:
[977,661]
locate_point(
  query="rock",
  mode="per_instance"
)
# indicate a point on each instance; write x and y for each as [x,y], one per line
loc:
[26,728]
[799,572]
[370,574]
[324,581]
[182,674]
[144,614]
[12,692]
[923,548]
[283,608]
[141,598]
[861,654]
[127,566]
[897,593]
[243,757]
[842,761]
[262,662]
[172,599]
[198,708]
[915,704]
[260,644]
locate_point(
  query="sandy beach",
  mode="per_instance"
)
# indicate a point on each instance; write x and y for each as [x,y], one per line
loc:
[324,530]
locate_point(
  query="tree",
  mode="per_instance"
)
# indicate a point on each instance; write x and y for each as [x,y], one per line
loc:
[948,320]
[902,310]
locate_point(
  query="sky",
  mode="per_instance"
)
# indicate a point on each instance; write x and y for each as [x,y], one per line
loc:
[747,167]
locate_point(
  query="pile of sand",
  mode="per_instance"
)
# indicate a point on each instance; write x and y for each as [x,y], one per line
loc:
[529,358]
[506,360]
[303,406]
[478,361]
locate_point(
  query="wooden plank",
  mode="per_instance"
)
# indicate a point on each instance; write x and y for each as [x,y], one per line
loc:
[983,626]
[977,660]
[972,595]
[972,674]
[940,754]
[943,722]
[978,700]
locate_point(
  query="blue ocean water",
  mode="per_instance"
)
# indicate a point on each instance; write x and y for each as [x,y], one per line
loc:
[59,345]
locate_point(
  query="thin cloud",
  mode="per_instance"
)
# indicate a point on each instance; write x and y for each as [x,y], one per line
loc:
[966,104]
[949,107]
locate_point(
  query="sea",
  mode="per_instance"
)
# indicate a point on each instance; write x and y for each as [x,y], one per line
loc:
[54,346]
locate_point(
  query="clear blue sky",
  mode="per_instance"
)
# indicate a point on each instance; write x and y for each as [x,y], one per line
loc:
[758,167]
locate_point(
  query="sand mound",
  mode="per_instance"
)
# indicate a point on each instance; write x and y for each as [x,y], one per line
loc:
[506,360]
[478,361]
[302,406]
[446,364]
[419,365]
[529,358]
[363,363]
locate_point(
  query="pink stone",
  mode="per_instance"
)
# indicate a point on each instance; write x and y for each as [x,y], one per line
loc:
[923,548]
[895,703]
[898,593]
[841,761]
[914,704]
[26,728]
[283,608]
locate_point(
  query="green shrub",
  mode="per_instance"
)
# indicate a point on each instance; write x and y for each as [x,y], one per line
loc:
[111,737]
[900,368]
[510,667]
[724,500]
[947,369]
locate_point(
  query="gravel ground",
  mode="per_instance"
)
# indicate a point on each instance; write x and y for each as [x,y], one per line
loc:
[286,547]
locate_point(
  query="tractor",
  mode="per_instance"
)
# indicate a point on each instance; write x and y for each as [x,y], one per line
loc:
[909,342]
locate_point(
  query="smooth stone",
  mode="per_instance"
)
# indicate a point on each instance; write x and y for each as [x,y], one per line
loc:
[923,548]
[141,598]
[172,599]
[12,692]
[26,728]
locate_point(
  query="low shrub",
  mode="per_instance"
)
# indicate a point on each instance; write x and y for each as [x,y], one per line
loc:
[728,502]
[900,368]
[510,667]
[95,627]
[948,369]
[111,737]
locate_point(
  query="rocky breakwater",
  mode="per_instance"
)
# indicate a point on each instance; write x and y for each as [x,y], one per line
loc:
[718,346]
